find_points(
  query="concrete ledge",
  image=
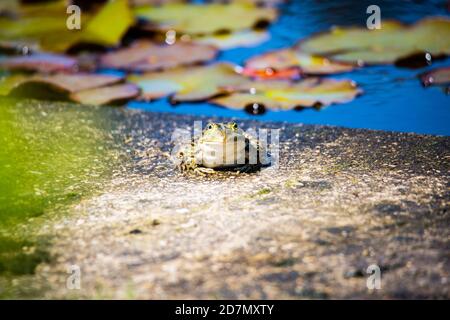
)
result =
(341, 200)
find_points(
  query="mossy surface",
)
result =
(49, 158)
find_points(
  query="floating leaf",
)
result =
(285, 95)
(149, 56)
(116, 94)
(46, 63)
(109, 25)
(71, 83)
(37, 8)
(261, 3)
(83, 88)
(10, 47)
(44, 25)
(9, 82)
(46, 33)
(189, 84)
(293, 73)
(275, 64)
(138, 3)
(440, 76)
(246, 38)
(393, 41)
(209, 18)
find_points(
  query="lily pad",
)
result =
(11, 47)
(149, 56)
(109, 25)
(293, 73)
(239, 39)
(116, 94)
(138, 3)
(44, 25)
(46, 63)
(383, 46)
(275, 64)
(261, 3)
(9, 82)
(189, 84)
(285, 95)
(209, 18)
(82, 88)
(440, 76)
(41, 25)
(71, 83)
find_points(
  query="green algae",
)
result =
(51, 155)
(20, 257)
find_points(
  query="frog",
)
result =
(221, 146)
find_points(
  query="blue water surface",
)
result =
(393, 98)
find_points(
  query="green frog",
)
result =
(221, 146)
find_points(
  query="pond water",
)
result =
(393, 98)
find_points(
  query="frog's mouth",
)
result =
(222, 154)
(222, 139)
(214, 136)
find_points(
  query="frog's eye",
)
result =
(210, 126)
(233, 125)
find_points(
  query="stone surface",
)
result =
(341, 200)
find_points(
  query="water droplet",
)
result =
(427, 80)
(255, 108)
(269, 71)
(238, 69)
(171, 37)
(25, 50)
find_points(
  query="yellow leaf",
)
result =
(386, 45)
(210, 18)
(109, 25)
(285, 95)
(188, 84)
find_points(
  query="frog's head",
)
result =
(221, 144)
(221, 132)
